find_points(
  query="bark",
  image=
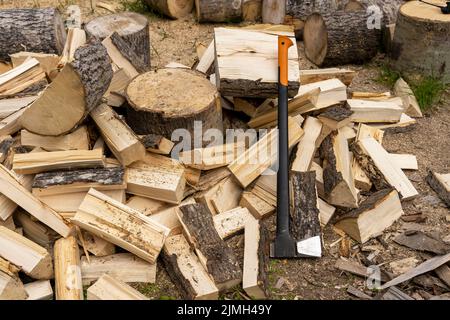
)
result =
(331, 176)
(151, 141)
(172, 8)
(273, 11)
(127, 51)
(254, 89)
(173, 270)
(218, 10)
(337, 113)
(263, 257)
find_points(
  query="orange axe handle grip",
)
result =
(284, 43)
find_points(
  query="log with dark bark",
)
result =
(128, 52)
(33, 30)
(217, 257)
(174, 9)
(132, 27)
(159, 111)
(77, 90)
(340, 38)
(273, 11)
(218, 10)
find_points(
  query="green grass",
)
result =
(428, 91)
(387, 76)
(139, 6)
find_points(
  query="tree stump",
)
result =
(161, 102)
(421, 45)
(174, 9)
(33, 30)
(218, 10)
(132, 27)
(340, 38)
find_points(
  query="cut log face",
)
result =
(77, 140)
(218, 10)
(68, 285)
(39, 290)
(38, 30)
(109, 288)
(256, 206)
(273, 11)
(230, 223)
(174, 9)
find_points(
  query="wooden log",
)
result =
(337, 174)
(336, 117)
(307, 145)
(429, 57)
(273, 11)
(366, 131)
(315, 75)
(162, 113)
(119, 137)
(206, 61)
(115, 95)
(33, 259)
(77, 90)
(218, 10)
(39, 290)
(246, 61)
(125, 267)
(11, 287)
(332, 92)
(362, 181)
(402, 89)
(108, 288)
(133, 28)
(34, 230)
(27, 78)
(157, 144)
(252, 10)
(121, 225)
(215, 254)
(68, 284)
(440, 183)
(36, 162)
(172, 8)
(76, 38)
(10, 106)
(7, 206)
(21, 31)
(186, 270)
(328, 42)
(256, 259)
(374, 111)
(404, 161)
(259, 208)
(231, 222)
(77, 140)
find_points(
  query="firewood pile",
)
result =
(91, 193)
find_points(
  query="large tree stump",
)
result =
(273, 11)
(77, 90)
(340, 38)
(218, 10)
(132, 27)
(174, 9)
(32, 30)
(170, 99)
(421, 43)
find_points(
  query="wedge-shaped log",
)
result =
(332, 91)
(36, 162)
(108, 288)
(230, 223)
(33, 259)
(39, 290)
(410, 104)
(374, 111)
(68, 284)
(121, 225)
(186, 270)
(374, 215)
(307, 145)
(440, 184)
(77, 140)
(214, 253)
(125, 267)
(255, 205)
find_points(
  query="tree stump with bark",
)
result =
(174, 9)
(32, 30)
(133, 28)
(218, 10)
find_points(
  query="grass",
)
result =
(138, 6)
(387, 76)
(428, 91)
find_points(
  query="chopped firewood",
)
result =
(11, 124)
(186, 270)
(326, 212)
(376, 96)
(7, 206)
(210, 178)
(332, 91)
(377, 213)
(260, 156)
(34, 230)
(109, 288)
(375, 162)
(36, 162)
(146, 206)
(156, 177)
(247, 106)
(319, 178)
(96, 245)
(6, 143)
(76, 38)
(119, 60)
(30, 257)
(48, 62)
(121, 225)
(404, 161)
(410, 104)
(115, 95)
(67, 270)
(224, 196)
(215, 254)
(440, 183)
(10, 106)
(121, 140)
(374, 111)
(259, 208)
(39, 290)
(77, 140)
(11, 188)
(316, 75)
(336, 117)
(256, 259)
(192, 175)
(307, 145)
(362, 181)
(405, 123)
(22, 77)
(339, 185)
(365, 131)
(206, 62)
(125, 267)
(265, 187)
(157, 144)
(395, 293)
(231, 222)
(422, 242)
(8, 223)
(212, 157)
(11, 287)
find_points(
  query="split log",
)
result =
(39, 290)
(410, 104)
(119, 137)
(273, 11)
(174, 9)
(231, 222)
(77, 140)
(147, 206)
(28, 78)
(406, 123)
(127, 52)
(206, 61)
(35, 230)
(307, 145)
(33, 259)
(256, 259)
(133, 28)
(12, 123)
(366, 131)
(218, 10)
(125, 267)
(36, 30)
(7, 206)
(118, 60)
(305, 224)
(316, 75)
(11, 287)
(440, 183)
(157, 144)
(336, 117)
(186, 270)
(115, 95)
(6, 143)
(108, 288)
(222, 197)
(96, 245)
(68, 284)
(215, 254)
(76, 38)
(10, 106)
(332, 92)
(362, 181)
(160, 112)
(326, 212)
(404, 161)
(121, 225)
(77, 90)
(252, 10)
(328, 42)
(374, 215)
(255, 205)
(374, 111)
(430, 57)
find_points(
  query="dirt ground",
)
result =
(306, 278)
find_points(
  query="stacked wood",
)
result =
(109, 288)
(218, 10)
(174, 9)
(68, 284)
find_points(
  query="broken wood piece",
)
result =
(22, 77)
(307, 145)
(11, 287)
(365, 131)
(259, 208)
(317, 75)
(121, 225)
(115, 95)
(186, 270)
(39, 290)
(422, 242)
(146, 206)
(109, 288)
(440, 183)
(404, 161)
(395, 293)
(231, 222)
(157, 144)
(35, 230)
(10, 106)
(326, 212)
(357, 293)
(206, 62)
(362, 181)
(336, 117)
(76, 38)
(68, 284)
(357, 269)
(374, 111)
(332, 91)
(443, 272)
(411, 106)
(212, 157)
(77, 140)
